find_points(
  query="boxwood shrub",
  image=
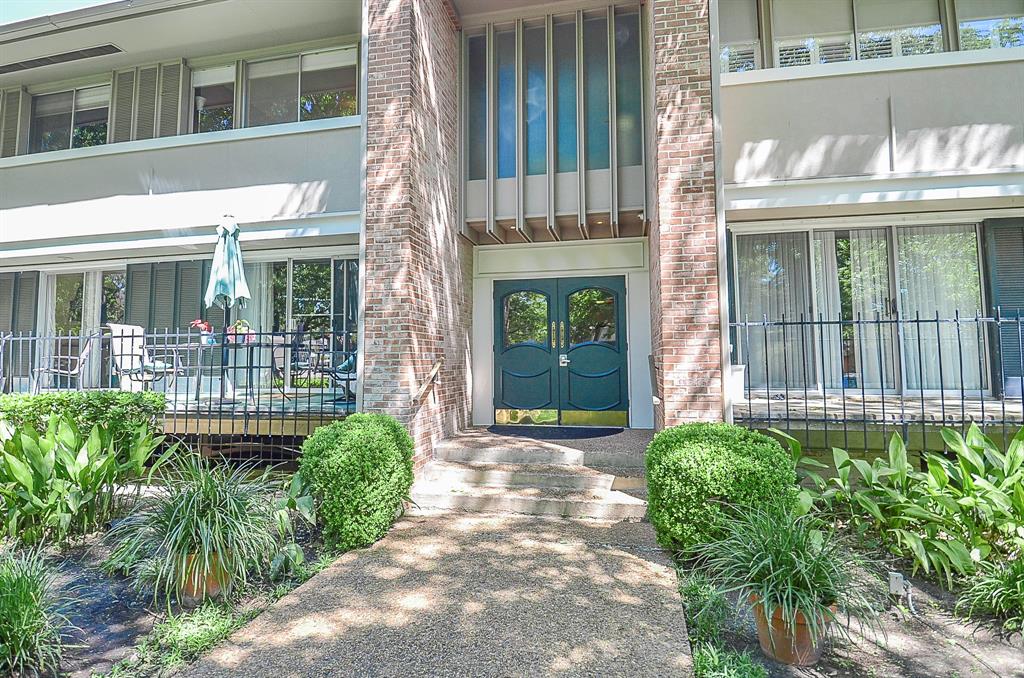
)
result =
(694, 469)
(360, 472)
(120, 412)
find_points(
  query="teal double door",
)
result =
(560, 352)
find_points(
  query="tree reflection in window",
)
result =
(592, 317)
(526, 318)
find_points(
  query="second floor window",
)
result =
(213, 90)
(307, 87)
(987, 24)
(74, 119)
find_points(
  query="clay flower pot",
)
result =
(785, 644)
(207, 586)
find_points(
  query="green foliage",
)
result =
(707, 609)
(120, 412)
(360, 472)
(967, 507)
(59, 483)
(31, 621)
(997, 589)
(692, 470)
(181, 639)
(207, 520)
(712, 661)
(791, 561)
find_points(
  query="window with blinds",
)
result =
(990, 24)
(1006, 280)
(812, 31)
(740, 39)
(73, 119)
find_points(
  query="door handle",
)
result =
(562, 326)
(563, 360)
(554, 335)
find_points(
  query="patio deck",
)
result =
(267, 414)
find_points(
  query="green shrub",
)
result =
(31, 621)
(692, 470)
(707, 609)
(997, 590)
(711, 661)
(119, 412)
(59, 483)
(360, 472)
(206, 529)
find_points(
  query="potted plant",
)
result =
(205, 330)
(240, 332)
(797, 575)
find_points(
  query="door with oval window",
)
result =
(560, 352)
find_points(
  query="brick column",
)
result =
(417, 269)
(684, 250)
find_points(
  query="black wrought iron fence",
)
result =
(853, 382)
(230, 387)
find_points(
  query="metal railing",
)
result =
(222, 386)
(854, 382)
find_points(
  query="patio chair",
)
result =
(68, 366)
(342, 375)
(134, 364)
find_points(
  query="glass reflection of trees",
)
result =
(526, 318)
(592, 317)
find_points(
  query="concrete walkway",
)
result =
(473, 595)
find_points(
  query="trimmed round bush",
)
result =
(360, 473)
(694, 470)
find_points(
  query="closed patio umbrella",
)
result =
(227, 275)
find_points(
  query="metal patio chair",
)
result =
(68, 366)
(133, 363)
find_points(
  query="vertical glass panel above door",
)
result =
(628, 90)
(213, 93)
(774, 284)
(534, 58)
(939, 280)
(329, 85)
(741, 45)
(273, 91)
(476, 107)
(886, 28)
(505, 104)
(565, 94)
(51, 122)
(856, 344)
(812, 31)
(595, 92)
(990, 24)
(92, 105)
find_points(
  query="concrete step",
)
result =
(465, 450)
(518, 475)
(436, 495)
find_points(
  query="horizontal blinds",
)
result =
(123, 101)
(882, 15)
(973, 10)
(817, 18)
(738, 21)
(213, 76)
(92, 97)
(336, 58)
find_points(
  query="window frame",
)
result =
(74, 108)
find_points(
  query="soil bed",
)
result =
(934, 642)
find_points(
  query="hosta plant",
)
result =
(62, 482)
(966, 508)
(32, 625)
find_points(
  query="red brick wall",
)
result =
(684, 253)
(417, 268)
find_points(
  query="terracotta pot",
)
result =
(207, 586)
(784, 644)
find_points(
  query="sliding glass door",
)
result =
(868, 309)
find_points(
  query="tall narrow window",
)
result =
(476, 108)
(595, 74)
(886, 28)
(536, 100)
(213, 92)
(628, 90)
(273, 91)
(565, 95)
(51, 122)
(812, 31)
(328, 85)
(505, 73)
(987, 24)
(90, 122)
(739, 35)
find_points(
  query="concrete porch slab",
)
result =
(476, 595)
